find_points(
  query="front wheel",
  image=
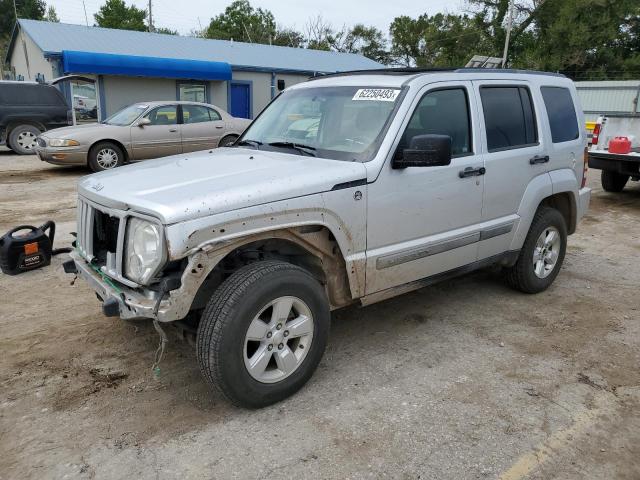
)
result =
(105, 156)
(23, 139)
(263, 333)
(542, 254)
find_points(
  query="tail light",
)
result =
(596, 134)
(585, 169)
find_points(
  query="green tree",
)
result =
(288, 37)
(166, 31)
(52, 16)
(241, 22)
(368, 41)
(29, 9)
(116, 14)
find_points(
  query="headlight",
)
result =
(143, 252)
(60, 142)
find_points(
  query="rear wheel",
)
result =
(23, 139)
(263, 333)
(542, 254)
(613, 181)
(105, 156)
(227, 141)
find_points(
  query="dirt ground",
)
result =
(463, 380)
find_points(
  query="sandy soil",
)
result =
(465, 379)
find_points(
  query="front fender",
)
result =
(335, 210)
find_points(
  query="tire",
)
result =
(105, 156)
(613, 181)
(224, 351)
(227, 141)
(22, 139)
(522, 276)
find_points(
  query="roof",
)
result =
(52, 38)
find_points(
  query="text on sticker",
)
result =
(377, 94)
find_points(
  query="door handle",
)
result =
(472, 172)
(538, 159)
(173, 129)
(219, 126)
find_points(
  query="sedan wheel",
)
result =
(107, 158)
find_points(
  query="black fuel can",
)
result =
(26, 248)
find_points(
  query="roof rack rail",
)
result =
(417, 71)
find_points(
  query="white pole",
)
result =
(86, 20)
(150, 18)
(506, 40)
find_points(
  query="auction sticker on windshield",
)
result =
(377, 94)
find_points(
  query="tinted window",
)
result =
(561, 113)
(26, 94)
(441, 112)
(508, 117)
(165, 115)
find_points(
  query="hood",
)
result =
(76, 130)
(186, 187)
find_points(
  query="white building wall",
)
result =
(28, 60)
(122, 91)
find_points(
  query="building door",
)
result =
(240, 105)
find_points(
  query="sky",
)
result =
(187, 15)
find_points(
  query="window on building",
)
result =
(192, 92)
(198, 114)
(165, 115)
(441, 112)
(85, 101)
(509, 118)
(561, 113)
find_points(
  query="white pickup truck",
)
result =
(616, 168)
(347, 189)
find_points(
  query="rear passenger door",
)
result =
(202, 128)
(514, 154)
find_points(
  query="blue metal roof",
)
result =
(135, 66)
(53, 38)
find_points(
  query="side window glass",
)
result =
(215, 116)
(509, 117)
(561, 113)
(165, 115)
(441, 112)
(195, 114)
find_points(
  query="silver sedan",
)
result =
(139, 132)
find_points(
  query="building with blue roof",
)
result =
(115, 68)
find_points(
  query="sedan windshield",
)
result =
(126, 115)
(341, 123)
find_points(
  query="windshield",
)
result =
(126, 115)
(341, 123)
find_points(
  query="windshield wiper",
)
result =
(252, 143)
(308, 149)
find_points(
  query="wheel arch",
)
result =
(109, 140)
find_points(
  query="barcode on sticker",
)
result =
(377, 94)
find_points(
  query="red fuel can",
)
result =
(620, 145)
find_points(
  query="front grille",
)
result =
(41, 142)
(100, 238)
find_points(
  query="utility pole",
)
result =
(15, 10)
(150, 18)
(506, 41)
(86, 20)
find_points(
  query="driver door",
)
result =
(160, 138)
(422, 221)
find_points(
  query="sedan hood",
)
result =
(75, 131)
(185, 187)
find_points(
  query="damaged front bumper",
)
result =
(129, 303)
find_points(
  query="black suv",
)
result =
(28, 109)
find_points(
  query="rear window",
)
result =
(508, 117)
(561, 113)
(29, 94)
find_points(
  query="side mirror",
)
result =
(426, 151)
(144, 121)
(280, 84)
